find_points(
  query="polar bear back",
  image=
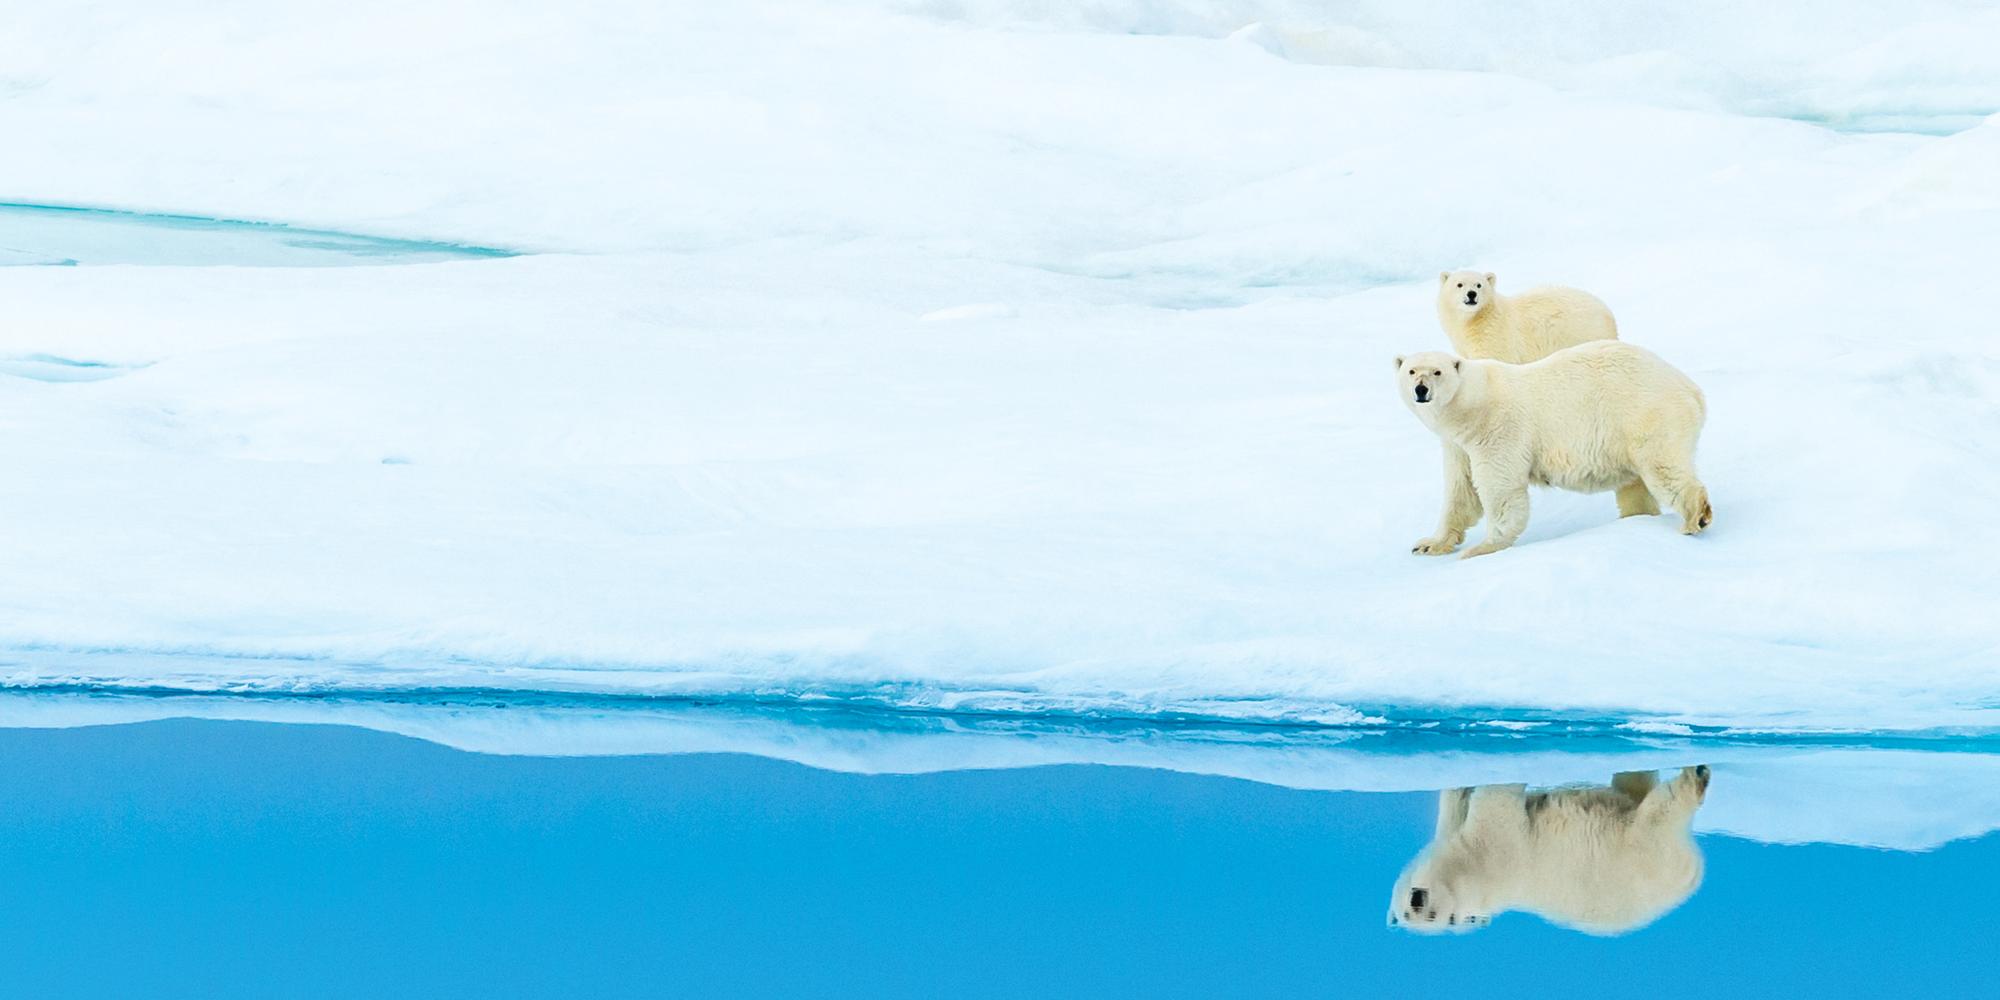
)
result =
(1529, 326)
(1583, 413)
(1590, 866)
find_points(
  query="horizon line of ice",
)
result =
(898, 702)
(1912, 798)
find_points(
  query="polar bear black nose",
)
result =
(1471, 298)
(1423, 395)
(1418, 898)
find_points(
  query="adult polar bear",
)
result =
(1603, 860)
(1482, 323)
(1604, 415)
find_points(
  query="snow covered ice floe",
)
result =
(700, 439)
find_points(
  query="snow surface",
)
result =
(998, 356)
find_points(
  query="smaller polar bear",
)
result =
(1601, 860)
(1482, 323)
(1599, 416)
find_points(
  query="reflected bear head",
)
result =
(1427, 901)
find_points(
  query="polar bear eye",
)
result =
(1461, 284)
(1437, 373)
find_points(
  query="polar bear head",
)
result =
(1433, 898)
(1465, 293)
(1429, 378)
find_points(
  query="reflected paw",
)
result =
(1694, 779)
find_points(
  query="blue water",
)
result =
(64, 235)
(186, 858)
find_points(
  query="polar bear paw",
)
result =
(1437, 545)
(1699, 519)
(1694, 524)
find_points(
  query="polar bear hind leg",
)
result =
(1676, 800)
(1635, 784)
(1634, 499)
(1674, 482)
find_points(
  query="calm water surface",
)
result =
(223, 859)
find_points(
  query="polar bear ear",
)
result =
(1489, 277)
(1444, 276)
(1455, 362)
(1399, 361)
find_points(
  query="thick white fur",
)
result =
(1517, 328)
(1603, 860)
(1599, 416)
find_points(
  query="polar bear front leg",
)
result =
(1461, 505)
(1452, 803)
(1503, 491)
(1490, 804)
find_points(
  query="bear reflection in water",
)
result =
(1600, 859)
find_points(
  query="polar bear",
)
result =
(1605, 415)
(1482, 323)
(1603, 860)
